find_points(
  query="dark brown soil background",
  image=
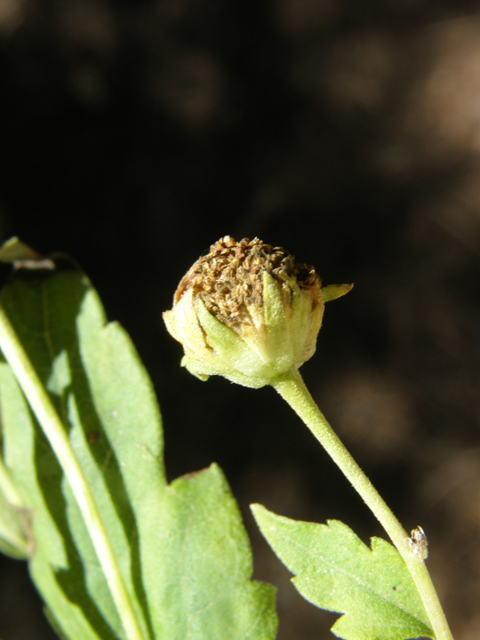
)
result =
(133, 134)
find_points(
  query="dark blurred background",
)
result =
(133, 134)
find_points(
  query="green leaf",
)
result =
(181, 549)
(202, 589)
(336, 571)
(13, 542)
(13, 250)
(14, 519)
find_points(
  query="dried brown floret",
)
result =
(228, 279)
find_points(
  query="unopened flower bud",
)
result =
(248, 312)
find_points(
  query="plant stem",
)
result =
(292, 388)
(55, 432)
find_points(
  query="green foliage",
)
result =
(336, 571)
(116, 551)
(181, 548)
(13, 521)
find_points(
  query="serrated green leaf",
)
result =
(174, 544)
(336, 571)
(207, 563)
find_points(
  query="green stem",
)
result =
(292, 388)
(54, 430)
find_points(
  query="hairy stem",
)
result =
(55, 432)
(292, 388)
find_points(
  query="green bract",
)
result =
(264, 317)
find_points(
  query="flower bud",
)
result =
(248, 312)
